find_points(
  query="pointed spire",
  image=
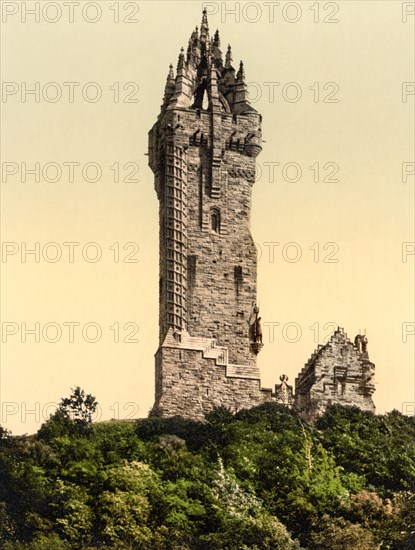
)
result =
(216, 51)
(189, 54)
(170, 76)
(170, 85)
(241, 105)
(204, 27)
(194, 38)
(193, 48)
(241, 73)
(216, 40)
(180, 63)
(228, 60)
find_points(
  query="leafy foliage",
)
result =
(259, 479)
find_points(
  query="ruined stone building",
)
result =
(202, 150)
(338, 372)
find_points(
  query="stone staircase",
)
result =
(207, 346)
(210, 350)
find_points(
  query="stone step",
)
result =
(206, 345)
(221, 358)
(209, 350)
(243, 371)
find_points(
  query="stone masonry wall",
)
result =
(220, 276)
(189, 385)
(222, 292)
(337, 373)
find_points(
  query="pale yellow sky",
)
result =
(337, 106)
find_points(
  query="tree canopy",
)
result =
(258, 479)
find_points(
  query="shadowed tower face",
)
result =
(202, 151)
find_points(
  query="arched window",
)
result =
(215, 220)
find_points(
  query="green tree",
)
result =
(339, 534)
(79, 406)
(243, 523)
(123, 508)
(73, 416)
(380, 448)
(72, 516)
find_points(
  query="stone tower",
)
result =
(202, 150)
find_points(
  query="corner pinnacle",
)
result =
(180, 63)
(216, 39)
(204, 27)
(228, 60)
(241, 72)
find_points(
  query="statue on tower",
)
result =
(284, 392)
(255, 330)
